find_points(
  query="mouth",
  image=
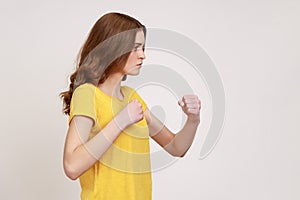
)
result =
(139, 64)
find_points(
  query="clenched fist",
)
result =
(191, 106)
(130, 114)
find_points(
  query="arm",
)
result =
(80, 154)
(179, 143)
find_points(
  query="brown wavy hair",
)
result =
(104, 52)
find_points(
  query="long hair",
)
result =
(104, 52)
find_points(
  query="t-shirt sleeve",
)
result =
(83, 103)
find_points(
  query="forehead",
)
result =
(140, 37)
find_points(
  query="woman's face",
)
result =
(136, 57)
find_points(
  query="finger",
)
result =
(192, 100)
(190, 96)
(193, 105)
(181, 103)
(193, 111)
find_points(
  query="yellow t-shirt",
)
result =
(124, 170)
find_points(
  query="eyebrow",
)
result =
(138, 43)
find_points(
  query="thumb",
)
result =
(181, 103)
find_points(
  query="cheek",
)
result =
(131, 58)
(128, 65)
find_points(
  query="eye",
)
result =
(138, 48)
(135, 48)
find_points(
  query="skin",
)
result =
(80, 153)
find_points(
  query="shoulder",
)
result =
(86, 91)
(130, 91)
(133, 94)
(126, 87)
(85, 87)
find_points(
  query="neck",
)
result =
(112, 85)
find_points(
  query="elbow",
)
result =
(70, 171)
(182, 155)
(174, 151)
(72, 176)
(178, 152)
(179, 155)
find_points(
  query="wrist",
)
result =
(120, 122)
(194, 120)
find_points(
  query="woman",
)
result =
(107, 143)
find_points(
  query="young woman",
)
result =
(107, 143)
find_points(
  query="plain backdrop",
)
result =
(255, 47)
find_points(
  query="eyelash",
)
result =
(135, 48)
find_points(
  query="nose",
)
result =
(142, 54)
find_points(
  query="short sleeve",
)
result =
(83, 102)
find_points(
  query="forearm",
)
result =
(184, 138)
(87, 154)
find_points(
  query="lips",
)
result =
(140, 64)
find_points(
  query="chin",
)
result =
(134, 72)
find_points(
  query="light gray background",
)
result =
(254, 45)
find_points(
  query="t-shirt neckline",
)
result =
(111, 97)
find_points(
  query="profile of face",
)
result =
(136, 57)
